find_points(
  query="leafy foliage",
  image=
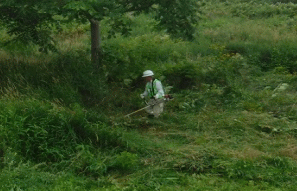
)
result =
(28, 21)
(178, 17)
(230, 126)
(31, 21)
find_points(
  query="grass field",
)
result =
(232, 124)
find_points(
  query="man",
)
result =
(154, 91)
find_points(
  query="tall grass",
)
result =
(231, 125)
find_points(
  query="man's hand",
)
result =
(156, 96)
(142, 96)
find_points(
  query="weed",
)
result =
(126, 162)
(231, 126)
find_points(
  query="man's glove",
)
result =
(142, 96)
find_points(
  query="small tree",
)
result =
(31, 20)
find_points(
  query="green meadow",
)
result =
(232, 124)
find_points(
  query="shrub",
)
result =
(36, 131)
(103, 136)
(234, 48)
(126, 161)
(69, 77)
(40, 131)
(253, 10)
(267, 56)
(182, 76)
(128, 58)
(75, 79)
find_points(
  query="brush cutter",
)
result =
(166, 98)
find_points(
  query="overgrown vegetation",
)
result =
(231, 126)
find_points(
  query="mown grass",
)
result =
(231, 125)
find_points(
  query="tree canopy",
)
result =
(31, 20)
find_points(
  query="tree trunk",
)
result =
(96, 42)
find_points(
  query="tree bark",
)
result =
(96, 42)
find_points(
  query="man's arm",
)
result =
(160, 90)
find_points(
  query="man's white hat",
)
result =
(147, 73)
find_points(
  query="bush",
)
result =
(126, 161)
(69, 78)
(282, 55)
(183, 76)
(234, 48)
(37, 131)
(75, 79)
(267, 56)
(40, 131)
(253, 10)
(128, 58)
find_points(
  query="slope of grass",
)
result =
(231, 126)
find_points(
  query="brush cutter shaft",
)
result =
(137, 111)
(158, 101)
(150, 105)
